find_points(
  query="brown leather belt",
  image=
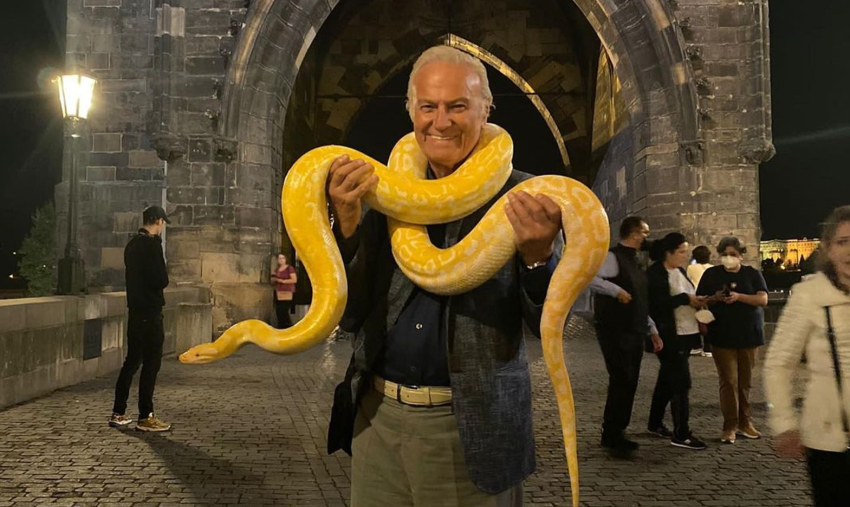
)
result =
(418, 396)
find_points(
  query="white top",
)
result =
(686, 321)
(802, 328)
(695, 272)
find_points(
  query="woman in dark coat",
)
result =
(672, 305)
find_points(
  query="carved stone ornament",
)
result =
(168, 146)
(757, 151)
(694, 152)
(225, 149)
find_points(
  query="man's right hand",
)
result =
(624, 297)
(348, 182)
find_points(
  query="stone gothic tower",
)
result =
(662, 106)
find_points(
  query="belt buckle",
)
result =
(398, 393)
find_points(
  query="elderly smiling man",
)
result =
(437, 397)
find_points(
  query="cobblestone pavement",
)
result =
(251, 431)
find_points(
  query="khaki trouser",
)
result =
(735, 368)
(413, 456)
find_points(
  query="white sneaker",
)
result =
(697, 352)
(119, 420)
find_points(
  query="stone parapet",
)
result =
(53, 342)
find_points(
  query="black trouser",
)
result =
(829, 472)
(281, 308)
(673, 385)
(623, 353)
(145, 336)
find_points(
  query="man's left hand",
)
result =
(536, 221)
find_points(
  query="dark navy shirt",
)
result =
(415, 351)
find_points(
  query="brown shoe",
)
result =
(728, 437)
(152, 424)
(749, 432)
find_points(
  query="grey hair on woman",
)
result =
(733, 242)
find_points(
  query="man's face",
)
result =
(160, 226)
(640, 235)
(449, 113)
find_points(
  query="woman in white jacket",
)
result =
(817, 308)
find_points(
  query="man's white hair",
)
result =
(444, 53)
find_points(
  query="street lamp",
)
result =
(75, 96)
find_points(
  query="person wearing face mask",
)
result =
(621, 318)
(816, 320)
(736, 294)
(672, 305)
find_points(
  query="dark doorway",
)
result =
(384, 119)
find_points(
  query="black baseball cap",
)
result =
(152, 213)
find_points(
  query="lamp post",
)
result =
(75, 96)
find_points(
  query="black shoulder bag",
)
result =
(836, 363)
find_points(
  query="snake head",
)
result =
(201, 354)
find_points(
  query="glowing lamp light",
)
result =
(75, 95)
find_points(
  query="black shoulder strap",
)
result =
(836, 363)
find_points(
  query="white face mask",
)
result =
(730, 262)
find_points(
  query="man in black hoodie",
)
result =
(146, 277)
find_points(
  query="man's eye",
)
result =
(458, 108)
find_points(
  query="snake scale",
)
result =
(411, 202)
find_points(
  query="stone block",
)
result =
(100, 173)
(123, 85)
(193, 326)
(144, 158)
(111, 257)
(200, 150)
(104, 42)
(98, 61)
(128, 222)
(239, 301)
(207, 175)
(205, 196)
(254, 176)
(179, 174)
(134, 174)
(213, 215)
(248, 197)
(184, 270)
(45, 312)
(106, 142)
(102, 3)
(12, 316)
(262, 218)
(232, 267)
(662, 180)
(203, 65)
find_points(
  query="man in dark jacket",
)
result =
(437, 397)
(146, 277)
(622, 321)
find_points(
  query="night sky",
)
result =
(811, 119)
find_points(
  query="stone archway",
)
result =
(667, 164)
(654, 82)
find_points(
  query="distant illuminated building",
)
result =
(788, 250)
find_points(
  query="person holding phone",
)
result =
(736, 294)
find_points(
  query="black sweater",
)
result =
(145, 274)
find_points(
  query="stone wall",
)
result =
(53, 342)
(194, 99)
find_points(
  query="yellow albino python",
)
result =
(407, 198)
